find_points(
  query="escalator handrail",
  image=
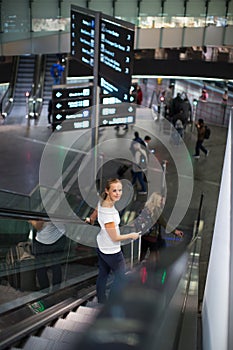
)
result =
(19, 214)
(39, 86)
(9, 93)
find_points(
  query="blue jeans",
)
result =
(139, 175)
(48, 255)
(199, 146)
(108, 263)
(57, 80)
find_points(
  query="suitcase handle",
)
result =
(132, 250)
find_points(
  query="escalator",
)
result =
(50, 59)
(23, 85)
(69, 316)
(30, 90)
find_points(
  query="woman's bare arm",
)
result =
(111, 230)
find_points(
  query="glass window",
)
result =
(216, 9)
(126, 9)
(45, 9)
(46, 20)
(104, 6)
(150, 8)
(66, 6)
(196, 8)
(175, 8)
(15, 16)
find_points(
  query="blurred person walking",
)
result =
(201, 129)
(149, 222)
(140, 161)
(48, 247)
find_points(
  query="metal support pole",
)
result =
(27, 107)
(164, 167)
(101, 157)
(139, 247)
(95, 108)
(199, 215)
(131, 255)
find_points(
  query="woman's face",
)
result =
(115, 191)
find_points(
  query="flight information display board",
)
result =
(105, 44)
(72, 103)
(116, 58)
(82, 37)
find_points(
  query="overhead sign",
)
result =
(73, 125)
(116, 58)
(105, 44)
(118, 113)
(68, 92)
(65, 115)
(82, 37)
(71, 103)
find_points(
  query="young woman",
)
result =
(110, 256)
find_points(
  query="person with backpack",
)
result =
(56, 72)
(201, 135)
(140, 161)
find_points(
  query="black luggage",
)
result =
(122, 170)
(20, 264)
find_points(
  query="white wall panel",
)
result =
(193, 36)
(144, 39)
(228, 36)
(147, 38)
(213, 36)
(216, 296)
(21, 47)
(46, 44)
(172, 37)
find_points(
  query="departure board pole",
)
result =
(95, 109)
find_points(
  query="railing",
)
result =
(7, 100)
(35, 100)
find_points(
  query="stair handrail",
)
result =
(35, 100)
(7, 100)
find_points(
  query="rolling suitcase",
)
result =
(20, 264)
(122, 169)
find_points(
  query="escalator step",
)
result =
(85, 318)
(70, 325)
(87, 310)
(37, 343)
(58, 334)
